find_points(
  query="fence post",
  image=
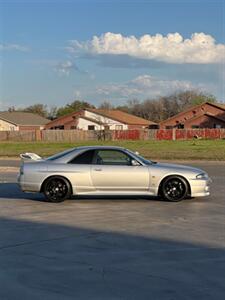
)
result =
(37, 135)
(174, 134)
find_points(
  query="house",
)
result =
(16, 120)
(99, 119)
(205, 115)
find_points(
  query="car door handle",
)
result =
(98, 169)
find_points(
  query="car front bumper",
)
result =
(200, 187)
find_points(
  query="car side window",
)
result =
(112, 157)
(85, 158)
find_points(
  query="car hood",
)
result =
(179, 168)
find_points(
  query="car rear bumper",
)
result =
(27, 186)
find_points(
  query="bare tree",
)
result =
(106, 105)
(52, 112)
(162, 108)
(104, 131)
(39, 109)
(11, 109)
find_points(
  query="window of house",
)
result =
(60, 127)
(73, 127)
(195, 126)
(169, 127)
(153, 126)
(84, 158)
(112, 157)
(119, 127)
(106, 127)
(194, 112)
(216, 126)
(91, 127)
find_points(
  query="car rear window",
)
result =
(85, 158)
(60, 155)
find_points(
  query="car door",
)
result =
(112, 171)
(78, 171)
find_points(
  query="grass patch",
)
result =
(174, 150)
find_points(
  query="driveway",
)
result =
(114, 248)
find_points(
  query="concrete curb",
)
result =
(9, 169)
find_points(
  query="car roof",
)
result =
(68, 154)
(99, 147)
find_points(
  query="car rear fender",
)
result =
(52, 176)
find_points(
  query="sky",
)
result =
(54, 52)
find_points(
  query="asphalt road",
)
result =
(112, 248)
(10, 162)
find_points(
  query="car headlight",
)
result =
(202, 176)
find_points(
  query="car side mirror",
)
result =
(134, 162)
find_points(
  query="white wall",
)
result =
(6, 126)
(111, 123)
(83, 124)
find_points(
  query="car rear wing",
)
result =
(30, 156)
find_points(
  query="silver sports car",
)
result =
(100, 170)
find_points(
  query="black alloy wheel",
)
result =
(174, 188)
(57, 189)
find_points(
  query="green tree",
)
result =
(74, 106)
(201, 98)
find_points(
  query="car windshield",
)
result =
(141, 158)
(59, 155)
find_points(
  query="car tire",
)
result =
(174, 188)
(57, 189)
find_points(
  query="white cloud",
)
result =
(144, 86)
(77, 94)
(141, 87)
(200, 48)
(64, 68)
(11, 47)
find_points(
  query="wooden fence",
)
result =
(80, 135)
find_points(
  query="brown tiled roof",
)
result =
(23, 118)
(218, 117)
(73, 115)
(208, 115)
(218, 105)
(122, 117)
